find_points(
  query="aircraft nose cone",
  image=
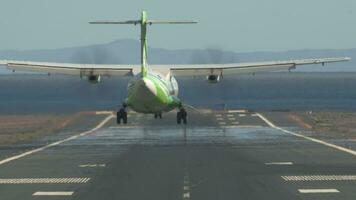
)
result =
(150, 86)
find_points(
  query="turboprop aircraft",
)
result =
(153, 88)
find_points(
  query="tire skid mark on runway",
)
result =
(101, 124)
(346, 150)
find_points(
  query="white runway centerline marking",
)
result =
(320, 178)
(186, 187)
(308, 191)
(346, 150)
(57, 193)
(101, 124)
(44, 180)
(92, 165)
(279, 163)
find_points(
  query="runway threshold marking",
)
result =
(346, 150)
(320, 178)
(101, 124)
(279, 163)
(308, 191)
(44, 180)
(56, 193)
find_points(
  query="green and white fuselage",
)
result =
(150, 91)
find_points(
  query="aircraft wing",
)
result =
(71, 69)
(240, 68)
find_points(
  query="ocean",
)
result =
(295, 91)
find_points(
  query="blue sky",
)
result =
(238, 25)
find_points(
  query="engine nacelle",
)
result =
(94, 79)
(213, 78)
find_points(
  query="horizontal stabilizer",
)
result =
(170, 22)
(117, 22)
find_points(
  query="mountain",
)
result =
(127, 51)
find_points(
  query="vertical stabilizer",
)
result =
(144, 65)
(143, 22)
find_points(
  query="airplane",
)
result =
(153, 89)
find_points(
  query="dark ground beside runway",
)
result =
(157, 159)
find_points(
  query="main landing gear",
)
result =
(182, 116)
(121, 115)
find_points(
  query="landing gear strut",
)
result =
(121, 115)
(158, 115)
(182, 115)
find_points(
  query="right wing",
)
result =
(240, 68)
(72, 69)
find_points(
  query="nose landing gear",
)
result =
(158, 115)
(182, 116)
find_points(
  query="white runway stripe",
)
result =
(279, 163)
(101, 124)
(237, 111)
(320, 178)
(44, 180)
(308, 191)
(346, 150)
(58, 193)
(92, 165)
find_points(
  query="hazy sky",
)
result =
(238, 25)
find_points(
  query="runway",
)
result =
(219, 155)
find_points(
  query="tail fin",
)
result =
(143, 22)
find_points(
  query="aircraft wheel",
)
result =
(184, 115)
(118, 118)
(179, 117)
(124, 118)
(121, 115)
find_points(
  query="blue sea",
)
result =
(295, 91)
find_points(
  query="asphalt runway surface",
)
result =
(218, 155)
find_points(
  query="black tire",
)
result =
(179, 117)
(124, 117)
(184, 116)
(155, 115)
(160, 115)
(118, 117)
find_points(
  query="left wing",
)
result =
(72, 69)
(240, 68)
